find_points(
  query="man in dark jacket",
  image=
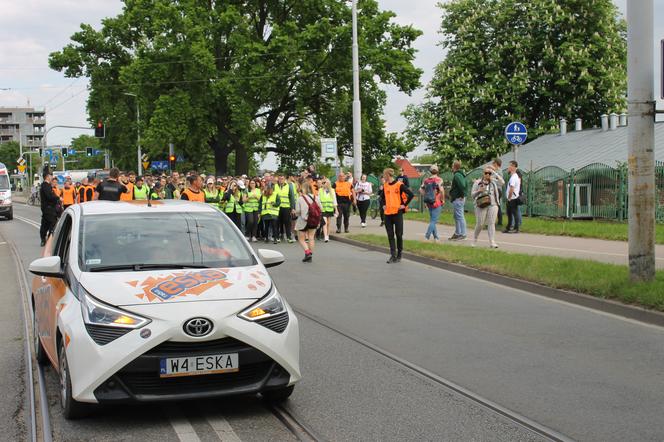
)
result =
(458, 197)
(49, 200)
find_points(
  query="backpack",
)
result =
(430, 188)
(314, 215)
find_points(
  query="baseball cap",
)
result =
(240, 184)
(433, 169)
(210, 180)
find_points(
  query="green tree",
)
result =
(83, 162)
(235, 76)
(9, 153)
(530, 60)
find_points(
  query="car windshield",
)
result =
(4, 182)
(136, 242)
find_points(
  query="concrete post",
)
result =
(641, 155)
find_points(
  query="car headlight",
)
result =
(270, 305)
(7, 201)
(96, 312)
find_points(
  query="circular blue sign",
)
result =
(516, 133)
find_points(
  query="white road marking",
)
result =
(223, 429)
(183, 429)
(2, 243)
(28, 221)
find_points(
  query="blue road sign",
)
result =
(159, 165)
(516, 133)
(96, 151)
(72, 151)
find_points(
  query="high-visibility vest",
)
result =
(269, 206)
(343, 188)
(211, 197)
(68, 196)
(129, 195)
(251, 205)
(194, 196)
(326, 200)
(393, 197)
(83, 194)
(57, 192)
(154, 195)
(284, 194)
(233, 205)
(141, 193)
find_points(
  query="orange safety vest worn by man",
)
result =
(193, 192)
(68, 196)
(129, 194)
(394, 198)
(344, 191)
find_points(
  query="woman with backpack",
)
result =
(308, 210)
(433, 196)
(486, 194)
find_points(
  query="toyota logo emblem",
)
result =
(198, 327)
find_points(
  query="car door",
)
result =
(51, 290)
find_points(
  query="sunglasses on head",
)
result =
(487, 173)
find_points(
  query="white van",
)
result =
(6, 208)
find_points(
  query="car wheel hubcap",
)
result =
(63, 380)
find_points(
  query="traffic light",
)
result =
(64, 151)
(88, 151)
(171, 162)
(100, 130)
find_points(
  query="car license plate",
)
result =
(199, 365)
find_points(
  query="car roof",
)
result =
(141, 206)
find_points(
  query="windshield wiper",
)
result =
(141, 267)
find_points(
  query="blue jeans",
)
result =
(434, 214)
(459, 218)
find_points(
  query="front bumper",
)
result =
(127, 368)
(5, 209)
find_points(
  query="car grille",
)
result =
(275, 323)
(152, 384)
(103, 335)
(171, 348)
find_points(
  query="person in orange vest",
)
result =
(68, 194)
(345, 197)
(394, 198)
(86, 191)
(193, 191)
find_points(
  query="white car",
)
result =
(161, 301)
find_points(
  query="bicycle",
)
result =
(34, 199)
(374, 207)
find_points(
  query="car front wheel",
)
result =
(71, 408)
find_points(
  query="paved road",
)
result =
(348, 392)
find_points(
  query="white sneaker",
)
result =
(364, 224)
(494, 245)
(253, 239)
(473, 244)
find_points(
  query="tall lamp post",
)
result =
(138, 132)
(357, 107)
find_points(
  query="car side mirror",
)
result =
(51, 267)
(270, 258)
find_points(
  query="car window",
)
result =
(196, 239)
(64, 239)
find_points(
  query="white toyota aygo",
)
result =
(138, 301)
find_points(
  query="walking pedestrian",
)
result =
(286, 193)
(433, 195)
(394, 199)
(458, 197)
(513, 192)
(497, 166)
(308, 210)
(363, 190)
(251, 210)
(110, 189)
(328, 199)
(486, 196)
(344, 193)
(403, 177)
(270, 212)
(49, 201)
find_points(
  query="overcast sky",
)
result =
(31, 29)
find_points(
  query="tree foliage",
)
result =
(9, 153)
(237, 76)
(530, 60)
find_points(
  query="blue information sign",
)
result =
(516, 133)
(160, 165)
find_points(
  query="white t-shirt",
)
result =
(366, 186)
(513, 187)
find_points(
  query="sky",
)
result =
(31, 29)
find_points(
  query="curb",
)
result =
(639, 314)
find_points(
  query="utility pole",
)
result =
(641, 139)
(138, 132)
(357, 107)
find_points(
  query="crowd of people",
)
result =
(287, 208)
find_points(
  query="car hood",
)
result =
(155, 287)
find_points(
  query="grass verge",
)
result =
(544, 226)
(602, 280)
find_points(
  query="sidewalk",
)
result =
(612, 252)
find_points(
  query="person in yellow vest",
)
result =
(328, 201)
(252, 210)
(129, 194)
(394, 198)
(68, 194)
(212, 194)
(234, 200)
(193, 192)
(345, 198)
(141, 190)
(269, 204)
(287, 197)
(157, 192)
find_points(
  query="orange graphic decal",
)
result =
(182, 284)
(67, 340)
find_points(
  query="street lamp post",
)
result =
(138, 132)
(357, 108)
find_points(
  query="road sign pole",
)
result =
(357, 107)
(641, 137)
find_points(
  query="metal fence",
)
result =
(595, 191)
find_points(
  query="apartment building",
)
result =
(25, 123)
